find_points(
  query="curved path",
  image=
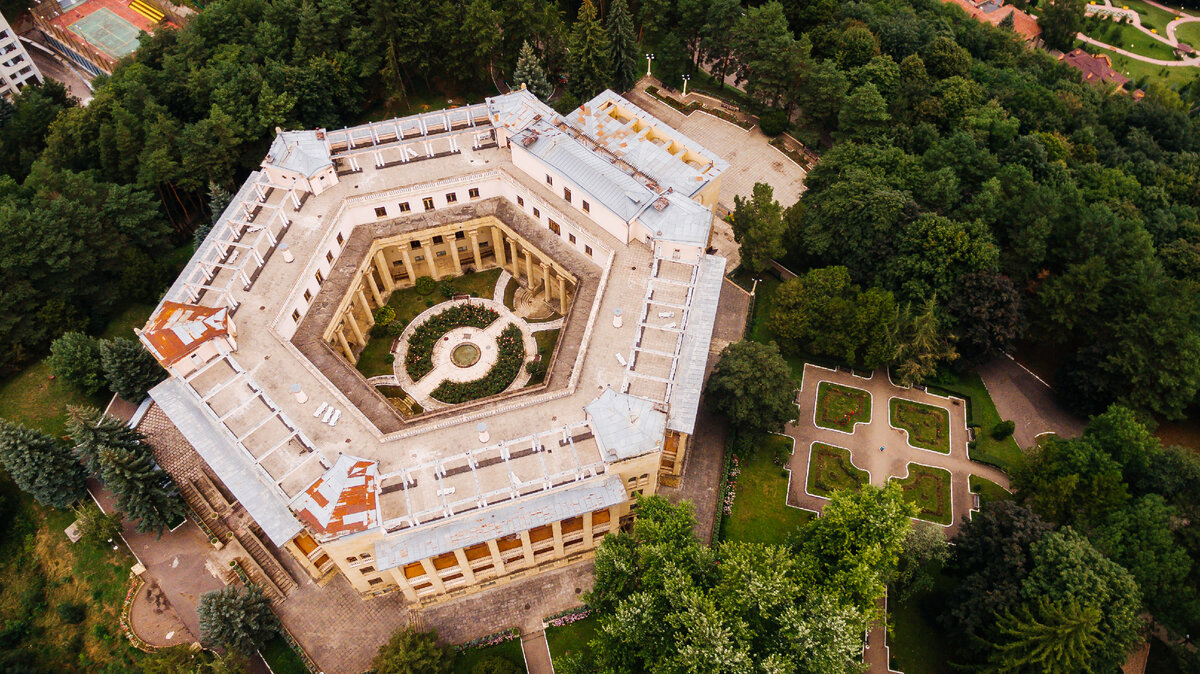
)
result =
(1169, 39)
(1190, 61)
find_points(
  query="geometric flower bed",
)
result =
(830, 470)
(418, 359)
(840, 407)
(507, 367)
(928, 426)
(929, 489)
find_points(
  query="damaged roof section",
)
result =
(178, 329)
(343, 500)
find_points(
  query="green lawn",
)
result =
(409, 304)
(929, 489)
(546, 341)
(281, 658)
(509, 650)
(830, 470)
(1129, 38)
(917, 644)
(1189, 33)
(1152, 17)
(928, 426)
(988, 491)
(1136, 70)
(760, 511)
(841, 407)
(571, 638)
(982, 414)
(134, 316)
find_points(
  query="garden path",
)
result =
(501, 286)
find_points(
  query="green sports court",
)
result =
(108, 32)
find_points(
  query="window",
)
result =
(570, 237)
(460, 235)
(437, 240)
(374, 581)
(427, 202)
(341, 238)
(536, 212)
(404, 207)
(484, 244)
(440, 253)
(549, 179)
(367, 569)
(587, 208)
(296, 316)
(307, 295)
(588, 250)
(414, 244)
(329, 256)
(451, 197)
(320, 277)
(380, 211)
(473, 193)
(555, 228)
(462, 249)
(418, 258)
(567, 194)
(521, 201)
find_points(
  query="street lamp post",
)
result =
(685, 81)
(649, 58)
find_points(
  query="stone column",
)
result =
(341, 337)
(408, 265)
(497, 558)
(529, 268)
(365, 306)
(512, 255)
(427, 247)
(464, 565)
(385, 272)
(559, 547)
(587, 531)
(527, 547)
(498, 247)
(353, 323)
(562, 294)
(475, 249)
(546, 282)
(374, 288)
(405, 586)
(431, 572)
(454, 254)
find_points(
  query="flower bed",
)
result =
(567, 617)
(730, 494)
(830, 469)
(135, 584)
(492, 639)
(418, 359)
(508, 366)
(841, 407)
(928, 426)
(689, 108)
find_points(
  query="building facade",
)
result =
(603, 216)
(17, 70)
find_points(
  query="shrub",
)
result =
(447, 289)
(411, 651)
(773, 122)
(495, 664)
(236, 618)
(425, 285)
(378, 330)
(394, 329)
(71, 613)
(418, 359)
(536, 368)
(512, 355)
(95, 525)
(1004, 429)
(390, 358)
(384, 315)
(429, 303)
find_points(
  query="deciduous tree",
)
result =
(752, 385)
(412, 652)
(758, 227)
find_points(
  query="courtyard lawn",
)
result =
(1140, 71)
(1129, 38)
(981, 414)
(571, 638)
(760, 511)
(928, 426)
(929, 489)
(988, 491)
(546, 342)
(916, 642)
(373, 361)
(281, 658)
(1152, 17)
(509, 650)
(841, 407)
(830, 470)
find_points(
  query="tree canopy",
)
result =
(752, 385)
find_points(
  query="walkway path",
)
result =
(1021, 396)
(1191, 61)
(1169, 39)
(501, 286)
(537, 652)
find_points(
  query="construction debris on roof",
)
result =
(177, 329)
(342, 501)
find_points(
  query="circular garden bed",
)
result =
(418, 359)
(511, 346)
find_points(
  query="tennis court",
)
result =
(108, 32)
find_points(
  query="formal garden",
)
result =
(758, 485)
(418, 356)
(842, 407)
(928, 488)
(508, 364)
(830, 470)
(928, 426)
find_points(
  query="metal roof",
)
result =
(233, 466)
(303, 152)
(343, 500)
(479, 526)
(693, 357)
(177, 329)
(682, 221)
(625, 426)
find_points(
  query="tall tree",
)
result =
(75, 357)
(625, 56)
(130, 370)
(752, 385)
(1051, 638)
(758, 228)
(1061, 20)
(773, 64)
(41, 466)
(589, 60)
(988, 320)
(411, 652)
(236, 618)
(530, 73)
(864, 117)
(922, 344)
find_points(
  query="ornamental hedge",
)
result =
(418, 360)
(508, 365)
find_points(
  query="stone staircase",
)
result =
(273, 577)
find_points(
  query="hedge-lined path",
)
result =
(865, 441)
(443, 368)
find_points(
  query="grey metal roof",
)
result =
(625, 426)
(299, 151)
(693, 356)
(517, 109)
(232, 465)
(510, 517)
(682, 221)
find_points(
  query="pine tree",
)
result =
(624, 45)
(864, 117)
(1056, 638)
(529, 72)
(119, 456)
(129, 368)
(41, 466)
(238, 619)
(75, 357)
(588, 61)
(923, 344)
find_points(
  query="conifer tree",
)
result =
(129, 368)
(119, 456)
(588, 61)
(1053, 638)
(75, 356)
(624, 45)
(529, 72)
(40, 465)
(236, 618)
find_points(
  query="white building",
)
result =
(16, 68)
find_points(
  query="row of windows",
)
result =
(427, 202)
(320, 277)
(587, 208)
(554, 225)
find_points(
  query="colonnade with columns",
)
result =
(398, 261)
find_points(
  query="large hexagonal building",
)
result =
(441, 352)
